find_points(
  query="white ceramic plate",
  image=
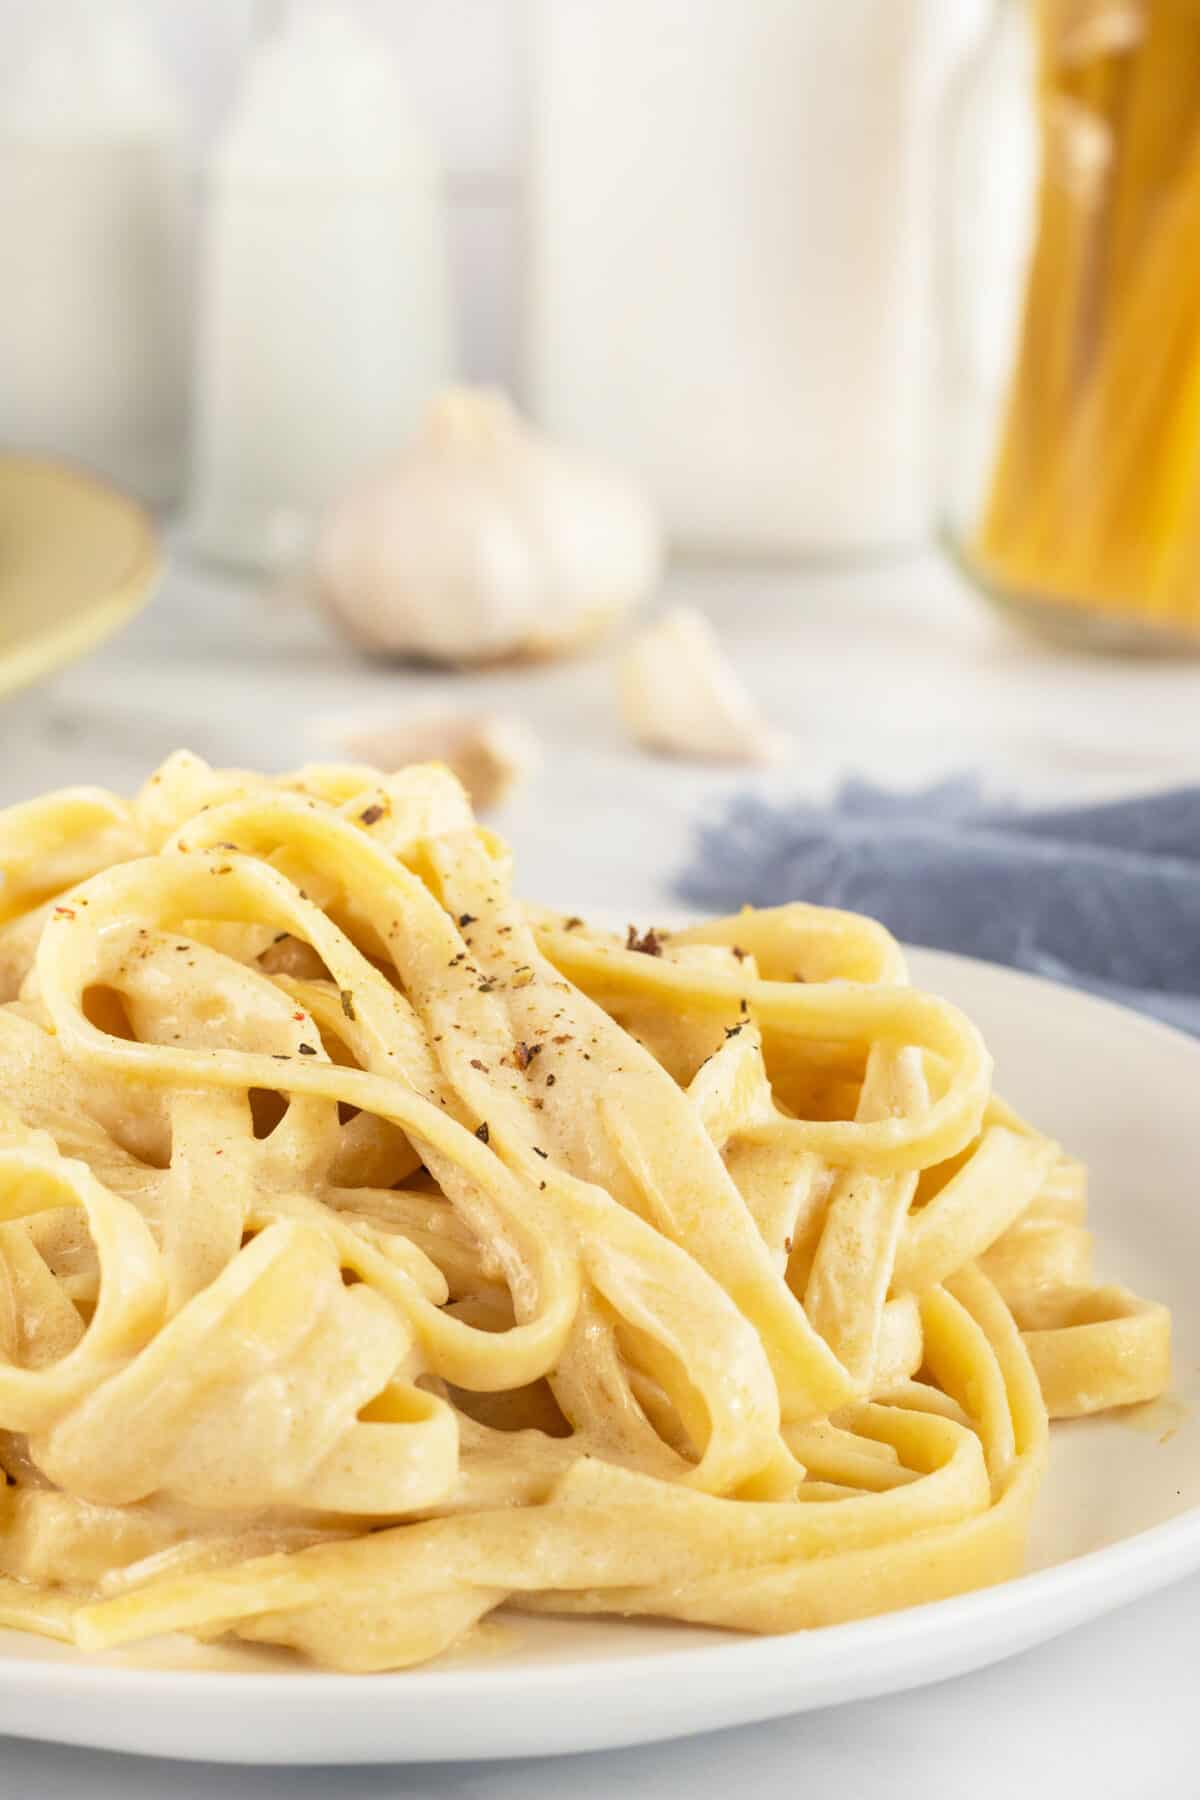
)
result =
(1119, 1515)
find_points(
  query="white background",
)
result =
(462, 61)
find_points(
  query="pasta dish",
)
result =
(377, 1250)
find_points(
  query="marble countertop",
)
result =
(892, 670)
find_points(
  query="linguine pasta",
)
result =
(1092, 500)
(376, 1250)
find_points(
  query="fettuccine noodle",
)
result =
(376, 1250)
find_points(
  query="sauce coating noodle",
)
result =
(376, 1250)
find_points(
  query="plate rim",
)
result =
(33, 657)
(1181, 1534)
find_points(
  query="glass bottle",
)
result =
(93, 339)
(325, 323)
(729, 254)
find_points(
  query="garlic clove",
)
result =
(484, 540)
(488, 753)
(679, 694)
(428, 564)
(600, 551)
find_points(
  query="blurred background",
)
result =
(651, 406)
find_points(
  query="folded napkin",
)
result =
(1105, 897)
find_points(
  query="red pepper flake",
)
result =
(523, 1054)
(482, 1132)
(476, 1064)
(299, 1017)
(346, 996)
(574, 923)
(564, 1037)
(649, 944)
(64, 912)
(739, 952)
(372, 815)
(787, 1246)
(465, 919)
(306, 1049)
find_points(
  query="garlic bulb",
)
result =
(488, 752)
(484, 540)
(679, 694)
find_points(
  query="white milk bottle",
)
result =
(324, 311)
(93, 328)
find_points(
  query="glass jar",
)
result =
(1071, 332)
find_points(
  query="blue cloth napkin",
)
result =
(1105, 897)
